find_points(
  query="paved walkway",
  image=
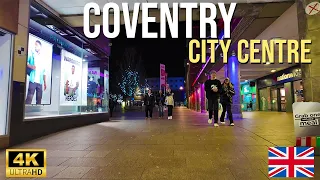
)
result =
(186, 148)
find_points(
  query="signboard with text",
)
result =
(162, 75)
(306, 117)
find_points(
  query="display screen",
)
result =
(71, 73)
(39, 66)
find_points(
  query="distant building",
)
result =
(176, 84)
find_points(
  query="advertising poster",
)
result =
(106, 90)
(71, 76)
(162, 75)
(39, 66)
(306, 117)
(85, 80)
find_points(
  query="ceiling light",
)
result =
(246, 81)
(273, 70)
(267, 63)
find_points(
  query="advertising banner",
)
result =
(39, 68)
(162, 76)
(306, 117)
(71, 73)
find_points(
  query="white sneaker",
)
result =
(168, 117)
(232, 124)
(223, 123)
(216, 125)
(210, 121)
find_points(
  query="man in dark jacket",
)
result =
(149, 103)
(213, 90)
(160, 99)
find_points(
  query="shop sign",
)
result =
(296, 73)
(306, 116)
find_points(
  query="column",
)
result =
(309, 28)
(233, 72)
(203, 99)
(19, 74)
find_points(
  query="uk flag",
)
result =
(295, 162)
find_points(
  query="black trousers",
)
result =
(213, 107)
(149, 110)
(226, 108)
(170, 109)
(111, 111)
(34, 87)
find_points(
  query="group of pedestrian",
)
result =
(215, 92)
(162, 100)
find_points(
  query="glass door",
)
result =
(283, 100)
(274, 99)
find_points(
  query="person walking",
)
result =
(213, 89)
(226, 100)
(111, 106)
(160, 102)
(169, 102)
(149, 103)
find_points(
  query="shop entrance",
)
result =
(278, 99)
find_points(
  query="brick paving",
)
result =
(186, 148)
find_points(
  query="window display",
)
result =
(69, 82)
(71, 73)
(39, 64)
(5, 74)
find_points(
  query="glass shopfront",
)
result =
(278, 91)
(66, 74)
(6, 45)
(248, 96)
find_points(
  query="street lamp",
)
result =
(181, 88)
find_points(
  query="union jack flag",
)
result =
(295, 162)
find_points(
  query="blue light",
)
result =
(1, 73)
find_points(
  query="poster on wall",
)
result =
(306, 116)
(39, 68)
(70, 84)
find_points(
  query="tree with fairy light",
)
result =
(129, 82)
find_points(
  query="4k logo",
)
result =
(26, 163)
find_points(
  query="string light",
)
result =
(129, 83)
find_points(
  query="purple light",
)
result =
(234, 23)
(203, 67)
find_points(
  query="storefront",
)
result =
(278, 91)
(248, 96)
(8, 29)
(67, 79)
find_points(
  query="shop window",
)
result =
(298, 91)
(5, 78)
(264, 97)
(65, 76)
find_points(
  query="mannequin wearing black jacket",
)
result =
(149, 101)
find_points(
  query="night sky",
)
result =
(169, 51)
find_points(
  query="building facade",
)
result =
(60, 79)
